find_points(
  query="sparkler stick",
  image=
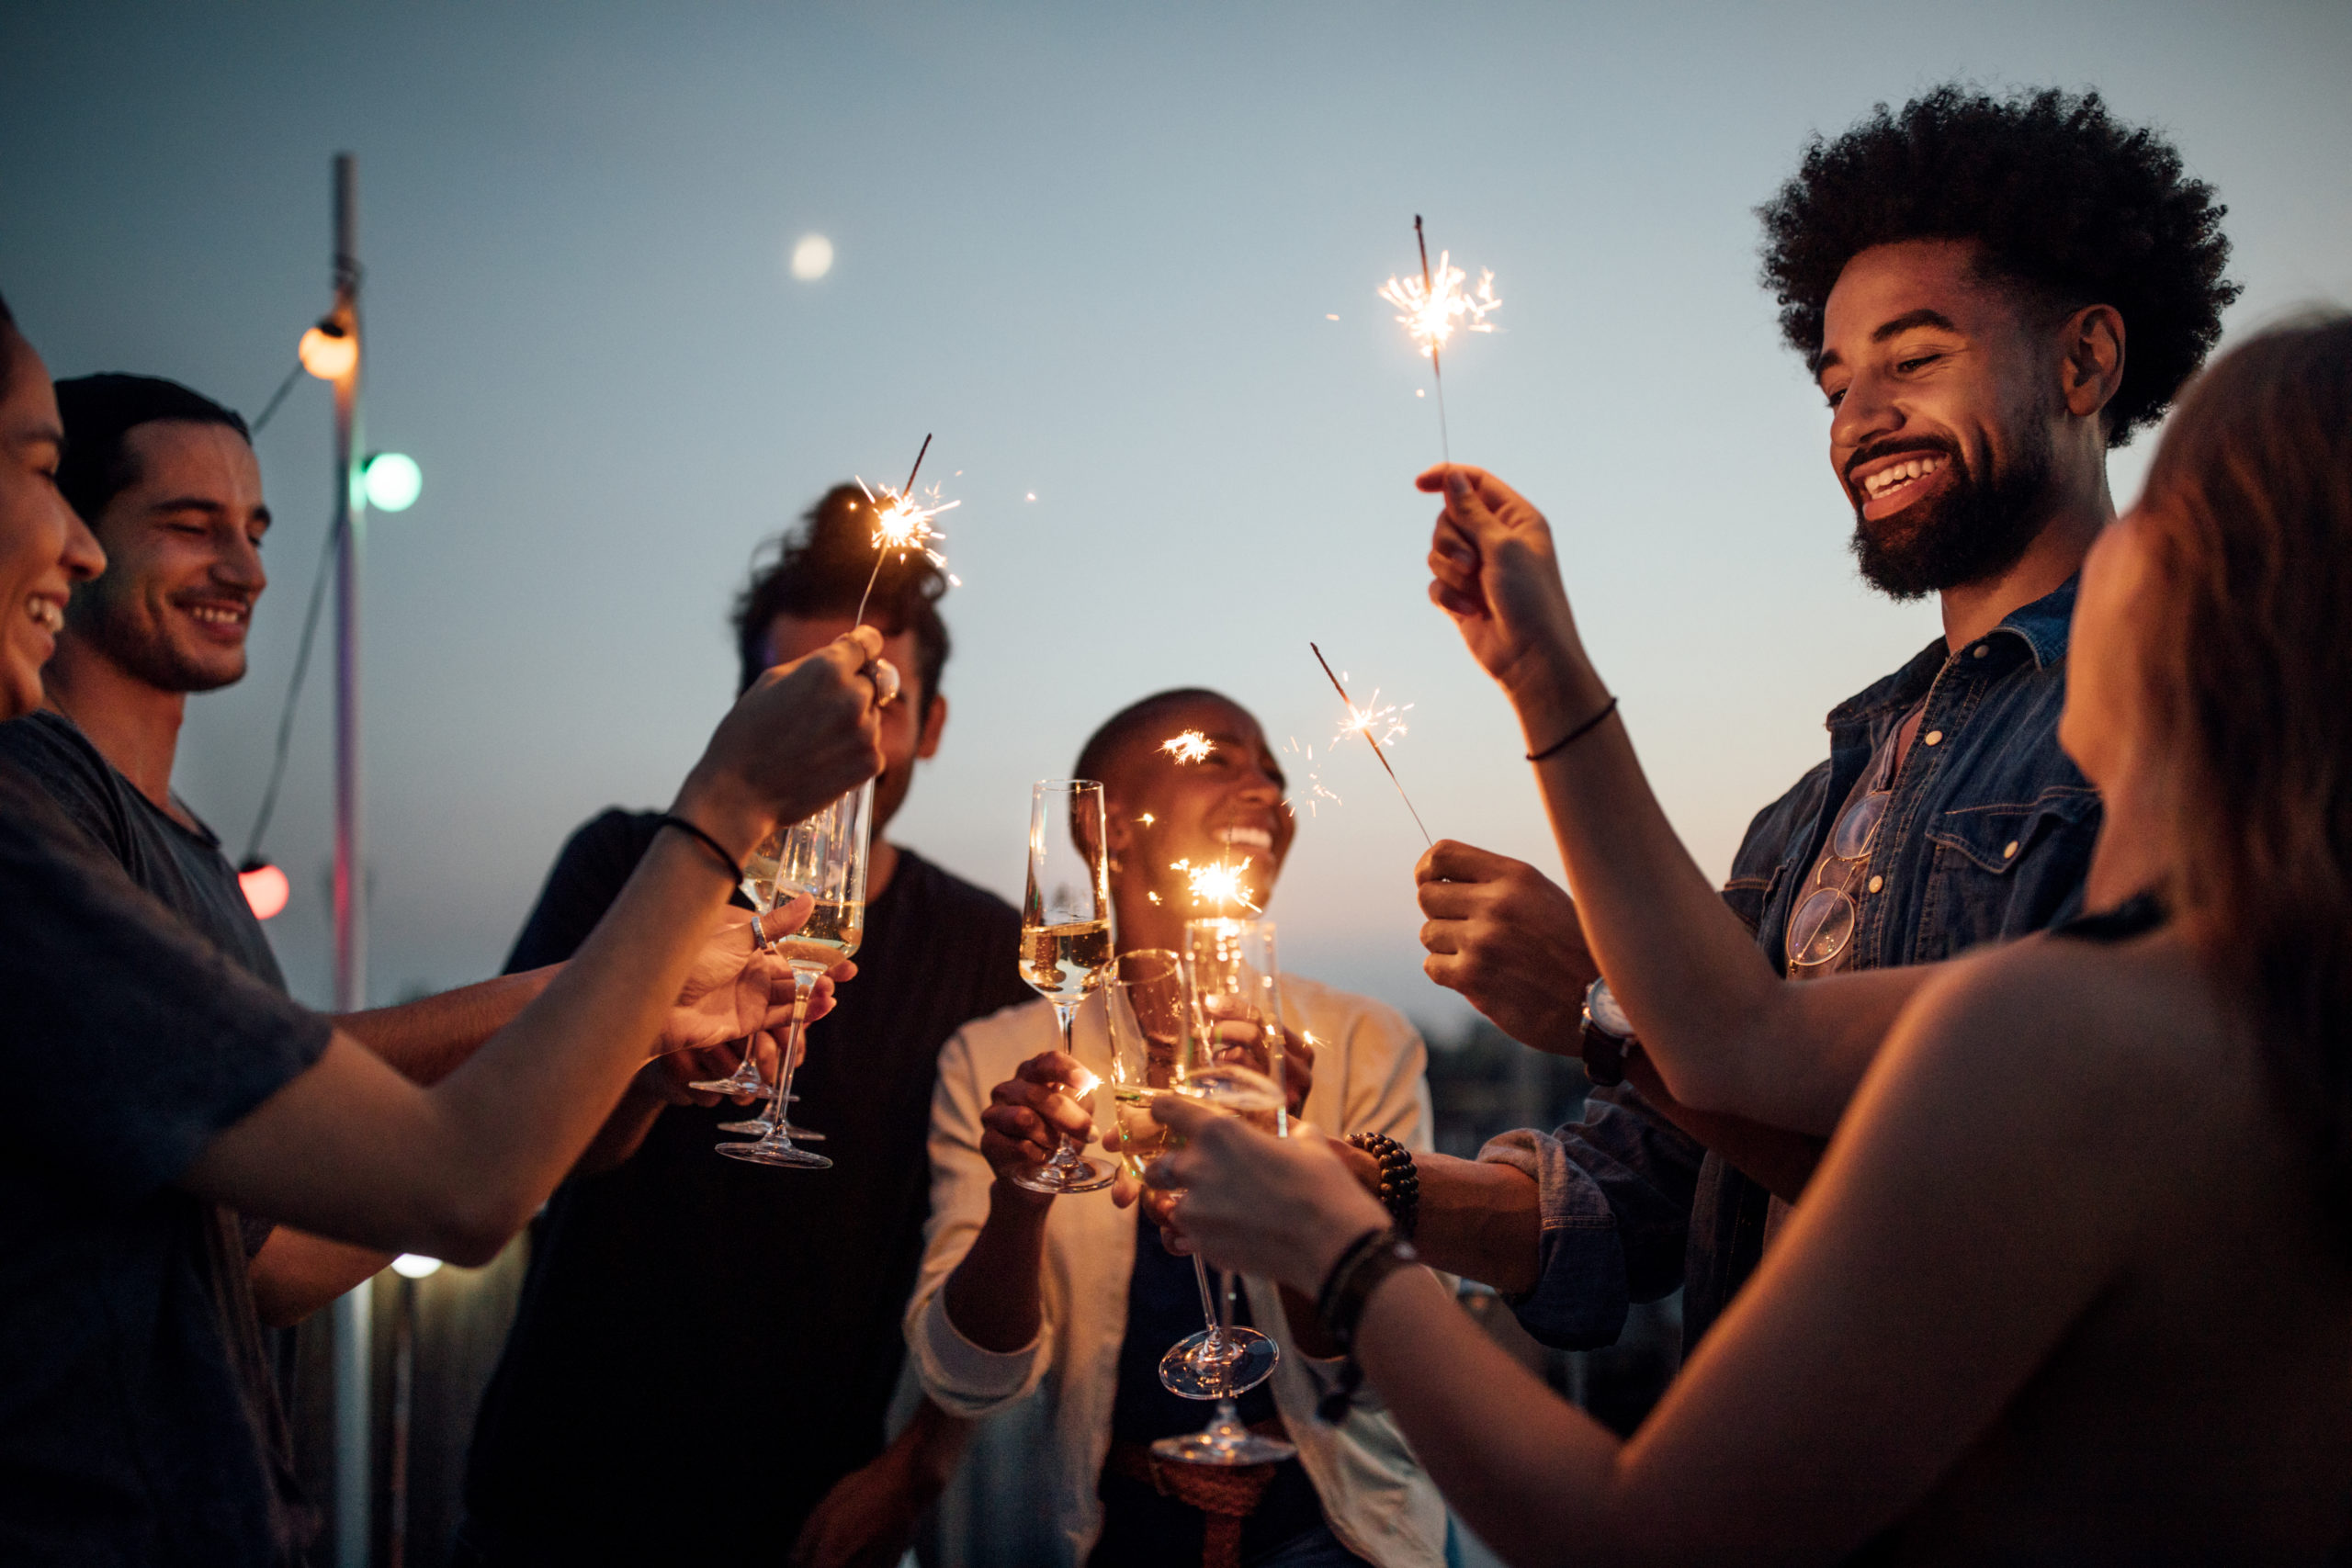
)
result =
(1433, 308)
(902, 526)
(1359, 719)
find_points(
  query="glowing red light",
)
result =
(265, 889)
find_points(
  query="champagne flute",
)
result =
(825, 858)
(1145, 1016)
(1066, 947)
(1233, 992)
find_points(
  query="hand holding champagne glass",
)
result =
(824, 858)
(1066, 949)
(1234, 1003)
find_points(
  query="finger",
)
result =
(842, 973)
(1443, 899)
(857, 647)
(1449, 860)
(1469, 607)
(1125, 1189)
(1052, 1067)
(1187, 1118)
(787, 918)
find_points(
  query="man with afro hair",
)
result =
(1991, 294)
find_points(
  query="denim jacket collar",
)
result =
(2039, 629)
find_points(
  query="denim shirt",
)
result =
(1987, 836)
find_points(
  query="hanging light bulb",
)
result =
(265, 888)
(329, 351)
(392, 482)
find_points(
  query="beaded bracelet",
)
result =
(1400, 1182)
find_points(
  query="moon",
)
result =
(812, 257)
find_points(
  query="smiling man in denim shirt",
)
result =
(1964, 278)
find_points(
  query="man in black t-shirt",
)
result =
(704, 1347)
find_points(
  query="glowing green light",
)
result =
(392, 482)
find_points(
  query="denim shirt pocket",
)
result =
(2004, 870)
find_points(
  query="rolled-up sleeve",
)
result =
(1615, 1190)
(960, 1376)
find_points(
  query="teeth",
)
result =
(1888, 477)
(217, 614)
(1254, 837)
(46, 614)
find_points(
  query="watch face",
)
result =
(1601, 1007)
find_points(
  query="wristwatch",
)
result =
(1608, 1037)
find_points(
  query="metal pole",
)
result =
(352, 1448)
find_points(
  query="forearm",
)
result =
(296, 1273)
(1479, 1220)
(426, 1039)
(1780, 1160)
(623, 1131)
(1528, 1472)
(350, 1149)
(932, 1447)
(992, 1296)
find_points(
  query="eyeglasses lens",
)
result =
(1821, 928)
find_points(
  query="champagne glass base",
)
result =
(753, 1127)
(1077, 1176)
(764, 1089)
(775, 1154)
(1225, 1441)
(1193, 1368)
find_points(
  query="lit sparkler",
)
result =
(1437, 307)
(1190, 747)
(1363, 721)
(902, 523)
(1220, 883)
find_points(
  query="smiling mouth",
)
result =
(218, 614)
(1897, 481)
(1245, 839)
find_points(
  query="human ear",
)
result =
(934, 723)
(2093, 369)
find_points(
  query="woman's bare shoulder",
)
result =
(2131, 1037)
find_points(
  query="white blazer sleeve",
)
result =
(959, 1376)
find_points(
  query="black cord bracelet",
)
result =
(1400, 1182)
(1578, 733)
(1338, 1306)
(670, 819)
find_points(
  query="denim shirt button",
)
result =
(2010, 851)
(1981, 650)
(1935, 737)
(1877, 882)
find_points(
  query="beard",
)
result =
(1979, 526)
(138, 650)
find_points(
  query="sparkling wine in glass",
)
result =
(1230, 1056)
(823, 857)
(1066, 948)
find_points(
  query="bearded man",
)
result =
(1963, 279)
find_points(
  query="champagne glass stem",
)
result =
(1066, 1154)
(803, 983)
(1223, 1329)
(1208, 1303)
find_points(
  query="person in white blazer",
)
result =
(1022, 1308)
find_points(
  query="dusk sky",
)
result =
(1098, 251)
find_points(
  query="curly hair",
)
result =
(2237, 634)
(2061, 197)
(822, 568)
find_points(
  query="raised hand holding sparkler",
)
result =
(1434, 309)
(1363, 721)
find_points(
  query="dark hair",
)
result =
(820, 568)
(2062, 198)
(100, 412)
(2239, 643)
(8, 354)
(1125, 725)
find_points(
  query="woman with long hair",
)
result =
(2073, 1280)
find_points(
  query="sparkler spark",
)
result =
(1317, 792)
(902, 523)
(1437, 307)
(1364, 720)
(1361, 721)
(1220, 883)
(1190, 747)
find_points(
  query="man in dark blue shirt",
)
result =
(1963, 279)
(705, 1348)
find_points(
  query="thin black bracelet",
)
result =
(1339, 1305)
(670, 819)
(1578, 733)
(1400, 1181)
